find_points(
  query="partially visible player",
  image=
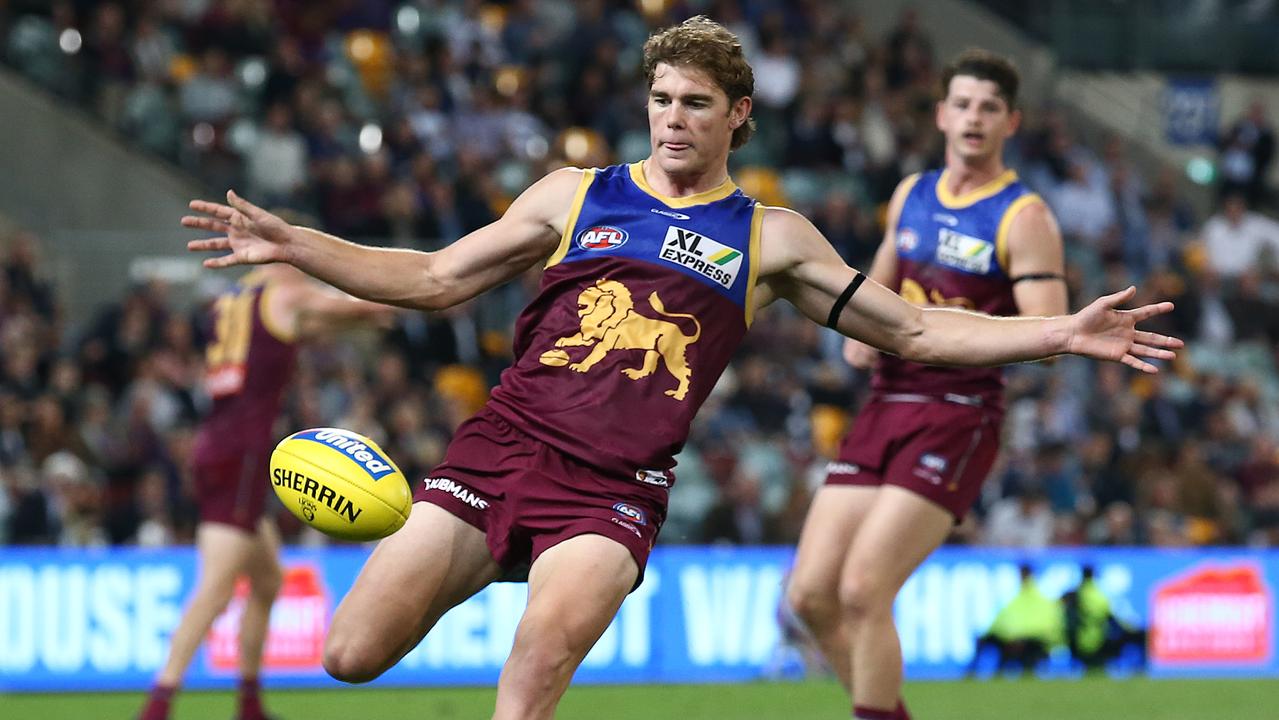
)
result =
(970, 236)
(653, 273)
(256, 329)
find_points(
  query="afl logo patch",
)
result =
(601, 237)
(632, 512)
(907, 239)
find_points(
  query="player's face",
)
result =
(690, 122)
(975, 119)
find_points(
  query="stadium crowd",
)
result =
(412, 124)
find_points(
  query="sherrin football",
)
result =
(340, 483)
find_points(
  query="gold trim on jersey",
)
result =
(570, 223)
(908, 184)
(1006, 224)
(752, 275)
(719, 192)
(990, 189)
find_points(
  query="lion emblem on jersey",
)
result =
(610, 322)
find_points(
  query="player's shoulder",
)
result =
(565, 177)
(903, 190)
(787, 237)
(1028, 213)
(553, 192)
(783, 220)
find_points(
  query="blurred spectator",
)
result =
(78, 499)
(1023, 520)
(1237, 239)
(277, 159)
(28, 517)
(210, 95)
(738, 518)
(1085, 207)
(1247, 148)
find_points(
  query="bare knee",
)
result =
(863, 597)
(816, 606)
(265, 584)
(351, 659)
(544, 653)
(539, 663)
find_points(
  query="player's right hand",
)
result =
(859, 354)
(253, 235)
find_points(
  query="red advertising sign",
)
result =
(295, 638)
(1213, 613)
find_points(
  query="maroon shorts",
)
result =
(233, 491)
(527, 496)
(941, 450)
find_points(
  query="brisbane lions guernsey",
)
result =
(638, 312)
(249, 366)
(953, 250)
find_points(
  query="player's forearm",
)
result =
(382, 275)
(956, 337)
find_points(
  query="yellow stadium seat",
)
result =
(583, 147)
(829, 424)
(763, 184)
(464, 385)
(374, 59)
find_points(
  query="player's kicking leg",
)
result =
(223, 552)
(412, 578)
(834, 516)
(575, 589)
(898, 532)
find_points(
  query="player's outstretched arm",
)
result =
(883, 270)
(799, 265)
(529, 231)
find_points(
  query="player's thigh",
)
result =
(224, 552)
(834, 516)
(575, 589)
(899, 530)
(412, 577)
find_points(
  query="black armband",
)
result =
(844, 297)
(1039, 276)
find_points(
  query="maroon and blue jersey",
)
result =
(638, 312)
(249, 364)
(953, 251)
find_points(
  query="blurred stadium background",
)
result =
(1148, 129)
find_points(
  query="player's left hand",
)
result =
(1104, 332)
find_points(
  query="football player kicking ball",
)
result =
(653, 272)
(256, 328)
(912, 465)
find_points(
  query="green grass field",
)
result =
(1094, 699)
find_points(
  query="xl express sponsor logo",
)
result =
(964, 252)
(704, 256)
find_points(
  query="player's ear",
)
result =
(739, 112)
(1014, 121)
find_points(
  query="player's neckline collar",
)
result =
(990, 189)
(719, 192)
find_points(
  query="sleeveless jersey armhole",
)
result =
(570, 223)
